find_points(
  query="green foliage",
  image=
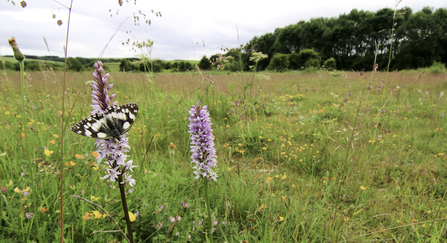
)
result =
(279, 62)
(29, 66)
(6, 65)
(351, 38)
(204, 63)
(126, 65)
(155, 66)
(330, 64)
(437, 68)
(182, 66)
(233, 60)
(74, 64)
(309, 58)
(294, 61)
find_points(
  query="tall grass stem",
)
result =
(62, 124)
(22, 86)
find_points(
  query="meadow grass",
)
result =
(293, 165)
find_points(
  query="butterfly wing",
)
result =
(114, 122)
(122, 117)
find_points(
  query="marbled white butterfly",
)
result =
(114, 122)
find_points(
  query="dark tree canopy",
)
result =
(418, 39)
(204, 63)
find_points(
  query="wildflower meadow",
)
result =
(303, 157)
(309, 155)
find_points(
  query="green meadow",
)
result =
(302, 157)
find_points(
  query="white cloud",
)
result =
(183, 24)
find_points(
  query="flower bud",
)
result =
(17, 54)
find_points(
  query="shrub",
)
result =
(330, 64)
(279, 62)
(294, 61)
(309, 58)
(74, 64)
(126, 65)
(437, 67)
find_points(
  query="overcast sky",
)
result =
(183, 24)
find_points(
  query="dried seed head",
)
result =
(23, 4)
(12, 42)
(171, 146)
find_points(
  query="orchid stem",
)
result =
(125, 209)
(208, 208)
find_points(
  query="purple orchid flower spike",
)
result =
(202, 143)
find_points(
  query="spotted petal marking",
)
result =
(114, 122)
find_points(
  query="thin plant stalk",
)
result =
(434, 218)
(62, 125)
(208, 209)
(22, 82)
(125, 209)
(4, 71)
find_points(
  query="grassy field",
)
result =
(315, 157)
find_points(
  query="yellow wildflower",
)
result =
(97, 214)
(21, 191)
(47, 152)
(132, 217)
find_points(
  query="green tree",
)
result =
(294, 61)
(204, 63)
(420, 46)
(262, 44)
(279, 62)
(440, 17)
(74, 64)
(126, 65)
(307, 58)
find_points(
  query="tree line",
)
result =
(352, 40)
(40, 63)
(158, 65)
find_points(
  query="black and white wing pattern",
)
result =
(114, 122)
